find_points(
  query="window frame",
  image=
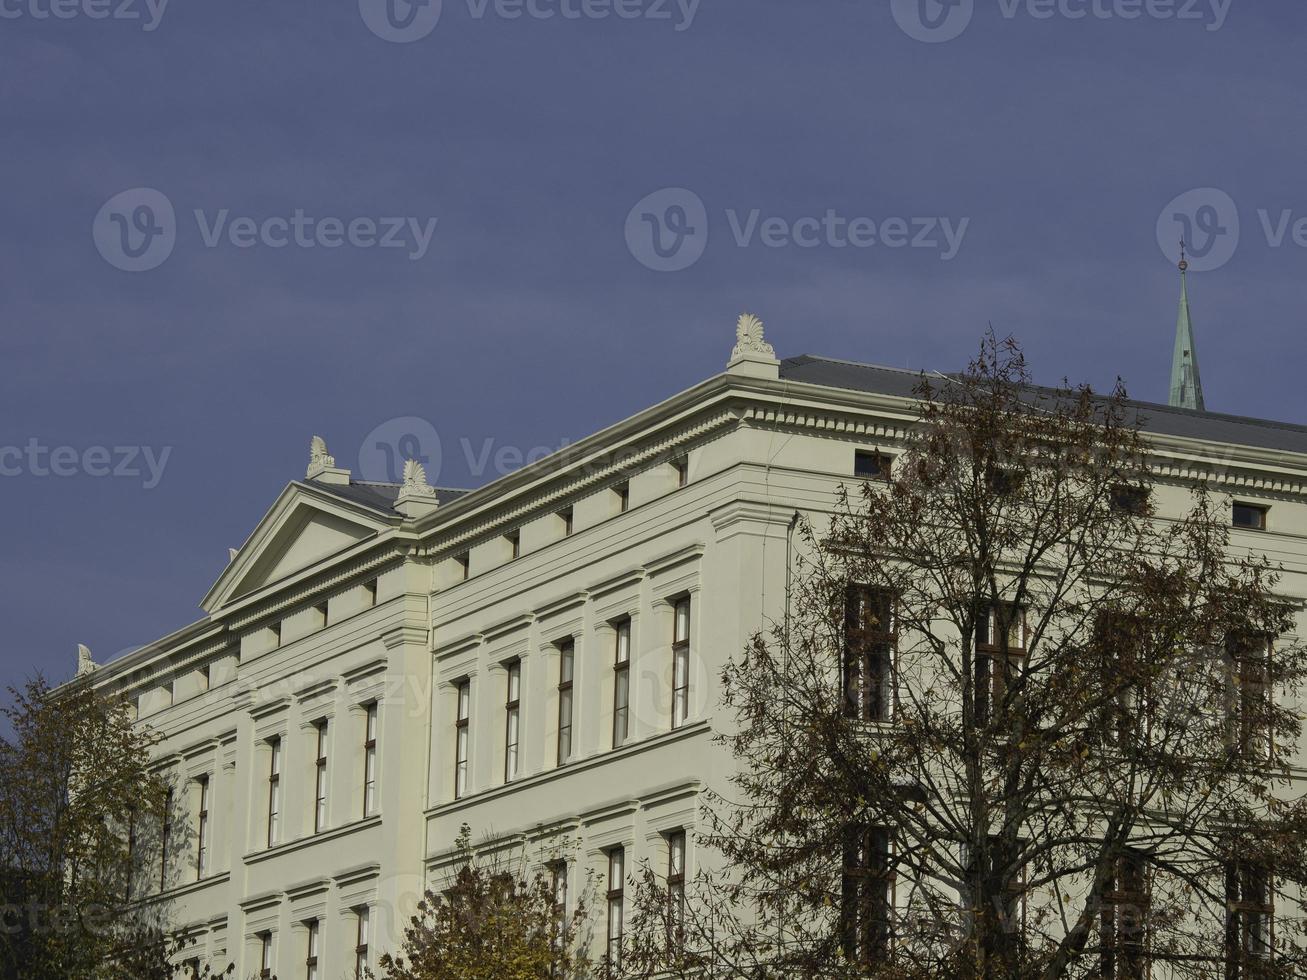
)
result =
(265, 955)
(869, 656)
(676, 867)
(314, 938)
(623, 492)
(566, 703)
(681, 464)
(462, 736)
(986, 654)
(1262, 512)
(165, 833)
(321, 729)
(362, 934)
(682, 627)
(615, 902)
(1248, 921)
(512, 719)
(371, 721)
(202, 830)
(866, 892)
(621, 681)
(880, 470)
(274, 791)
(514, 539)
(568, 517)
(1123, 937)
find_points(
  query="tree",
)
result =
(1015, 724)
(492, 922)
(80, 808)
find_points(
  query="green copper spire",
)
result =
(1186, 385)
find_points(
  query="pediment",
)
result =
(303, 530)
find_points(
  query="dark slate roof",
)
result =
(377, 496)
(1206, 426)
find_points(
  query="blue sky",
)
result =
(476, 196)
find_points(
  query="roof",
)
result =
(1162, 419)
(377, 496)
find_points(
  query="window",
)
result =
(1250, 516)
(191, 968)
(868, 465)
(1123, 926)
(461, 735)
(1002, 481)
(558, 887)
(1130, 500)
(1250, 700)
(1120, 638)
(311, 960)
(320, 779)
(370, 593)
(320, 615)
(265, 955)
(464, 562)
(1249, 904)
(274, 791)
(512, 719)
(868, 653)
(275, 630)
(565, 517)
(205, 677)
(999, 862)
(164, 832)
(676, 889)
(682, 467)
(363, 916)
(131, 850)
(621, 682)
(566, 665)
(616, 906)
(623, 492)
(865, 898)
(202, 830)
(681, 662)
(370, 761)
(1000, 648)
(514, 539)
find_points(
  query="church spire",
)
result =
(1186, 385)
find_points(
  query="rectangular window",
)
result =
(558, 887)
(866, 894)
(320, 779)
(681, 663)
(202, 830)
(616, 905)
(311, 960)
(1123, 926)
(566, 665)
(165, 832)
(514, 539)
(1250, 516)
(370, 592)
(1127, 700)
(461, 736)
(999, 862)
(621, 682)
(676, 889)
(320, 615)
(623, 493)
(1000, 649)
(565, 518)
(370, 761)
(1250, 905)
(274, 791)
(868, 465)
(1250, 700)
(363, 916)
(682, 467)
(275, 630)
(1130, 500)
(265, 955)
(869, 641)
(464, 565)
(205, 677)
(512, 720)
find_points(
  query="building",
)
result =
(380, 664)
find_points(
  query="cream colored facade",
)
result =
(349, 595)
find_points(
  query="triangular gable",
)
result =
(302, 529)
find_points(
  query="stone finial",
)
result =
(322, 465)
(416, 495)
(752, 354)
(84, 662)
(231, 554)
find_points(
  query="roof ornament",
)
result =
(322, 465)
(416, 496)
(84, 662)
(752, 354)
(231, 554)
(1186, 382)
